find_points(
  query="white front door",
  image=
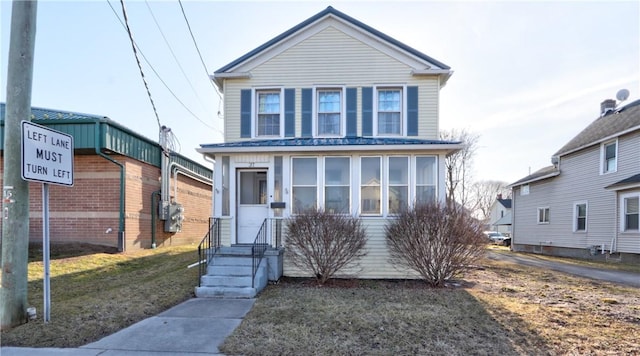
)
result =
(252, 204)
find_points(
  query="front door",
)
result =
(252, 204)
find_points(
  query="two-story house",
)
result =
(331, 114)
(500, 215)
(586, 203)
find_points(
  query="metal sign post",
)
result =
(47, 157)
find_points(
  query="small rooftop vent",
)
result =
(607, 107)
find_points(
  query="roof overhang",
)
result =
(546, 176)
(628, 183)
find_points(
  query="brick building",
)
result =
(121, 196)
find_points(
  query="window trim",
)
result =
(403, 109)
(315, 110)
(254, 111)
(623, 215)
(576, 217)
(548, 213)
(603, 161)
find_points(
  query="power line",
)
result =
(173, 53)
(160, 78)
(200, 54)
(135, 53)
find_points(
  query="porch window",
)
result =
(336, 184)
(425, 180)
(304, 184)
(370, 185)
(389, 111)
(268, 113)
(580, 216)
(329, 112)
(398, 184)
(631, 212)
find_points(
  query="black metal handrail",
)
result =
(271, 227)
(258, 248)
(208, 247)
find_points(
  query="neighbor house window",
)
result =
(398, 184)
(580, 216)
(268, 113)
(329, 112)
(370, 185)
(630, 204)
(524, 190)
(337, 180)
(304, 190)
(609, 157)
(389, 111)
(425, 180)
(543, 215)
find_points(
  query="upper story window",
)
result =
(268, 112)
(329, 112)
(609, 157)
(524, 190)
(389, 111)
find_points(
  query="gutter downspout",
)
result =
(176, 168)
(97, 145)
(153, 218)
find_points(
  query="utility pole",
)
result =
(15, 202)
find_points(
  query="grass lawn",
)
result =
(96, 292)
(496, 309)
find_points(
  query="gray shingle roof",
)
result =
(543, 173)
(630, 180)
(621, 120)
(505, 202)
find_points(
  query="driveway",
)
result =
(621, 277)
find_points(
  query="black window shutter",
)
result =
(352, 112)
(289, 112)
(245, 113)
(306, 101)
(412, 111)
(367, 111)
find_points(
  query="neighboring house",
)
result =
(118, 180)
(587, 202)
(500, 215)
(331, 114)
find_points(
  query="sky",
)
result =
(528, 76)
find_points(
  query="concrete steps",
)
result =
(230, 275)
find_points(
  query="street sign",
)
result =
(47, 155)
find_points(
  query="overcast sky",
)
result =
(528, 76)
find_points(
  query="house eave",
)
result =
(447, 148)
(218, 78)
(599, 141)
(546, 176)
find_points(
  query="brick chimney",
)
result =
(607, 106)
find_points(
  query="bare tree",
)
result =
(484, 194)
(459, 165)
(437, 241)
(323, 243)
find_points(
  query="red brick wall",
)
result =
(89, 211)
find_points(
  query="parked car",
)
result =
(498, 238)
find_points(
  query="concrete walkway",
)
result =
(195, 327)
(609, 275)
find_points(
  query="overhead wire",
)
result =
(160, 78)
(184, 74)
(135, 54)
(195, 43)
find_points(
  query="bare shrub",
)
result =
(437, 241)
(323, 243)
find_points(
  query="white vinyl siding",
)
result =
(316, 60)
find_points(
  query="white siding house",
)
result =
(500, 215)
(331, 114)
(586, 204)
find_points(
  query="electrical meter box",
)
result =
(175, 216)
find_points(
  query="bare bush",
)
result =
(437, 241)
(324, 243)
